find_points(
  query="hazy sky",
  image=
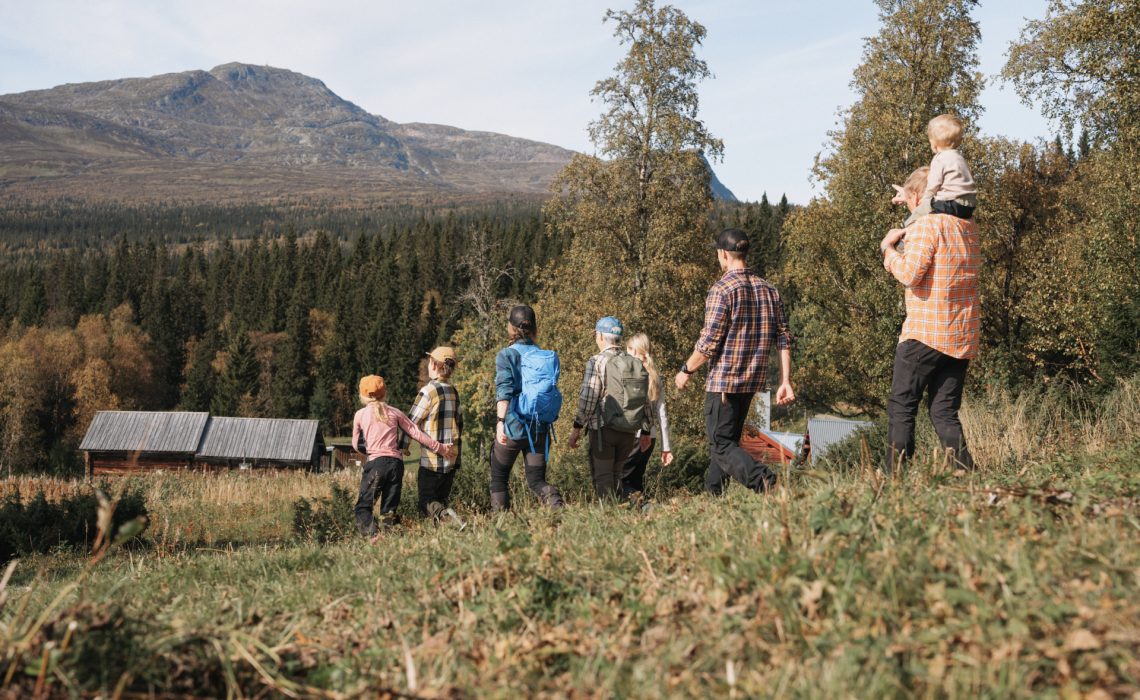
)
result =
(521, 68)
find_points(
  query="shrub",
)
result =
(325, 519)
(40, 525)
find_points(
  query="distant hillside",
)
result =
(241, 132)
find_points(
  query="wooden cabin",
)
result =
(769, 447)
(123, 442)
(132, 442)
(344, 456)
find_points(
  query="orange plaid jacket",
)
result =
(940, 271)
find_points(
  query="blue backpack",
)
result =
(539, 401)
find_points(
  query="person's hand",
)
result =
(574, 438)
(666, 458)
(900, 196)
(785, 395)
(646, 442)
(501, 433)
(448, 452)
(891, 238)
(407, 453)
(682, 380)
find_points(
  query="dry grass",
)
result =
(1020, 581)
(1000, 426)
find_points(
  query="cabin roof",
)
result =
(792, 442)
(259, 438)
(270, 439)
(144, 431)
(822, 433)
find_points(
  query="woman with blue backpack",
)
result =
(528, 402)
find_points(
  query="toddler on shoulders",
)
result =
(949, 186)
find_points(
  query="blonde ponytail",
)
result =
(641, 348)
(379, 408)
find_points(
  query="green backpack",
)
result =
(627, 390)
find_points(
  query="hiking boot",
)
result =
(551, 497)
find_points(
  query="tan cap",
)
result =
(444, 354)
(373, 387)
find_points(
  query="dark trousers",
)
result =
(434, 490)
(609, 449)
(724, 424)
(534, 464)
(383, 477)
(952, 208)
(919, 367)
(633, 473)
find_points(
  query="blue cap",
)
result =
(610, 325)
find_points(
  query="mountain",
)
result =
(240, 132)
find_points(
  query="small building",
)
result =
(769, 447)
(822, 433)
(122, 442)
(127, 442)
(344, 456)
(252, 443)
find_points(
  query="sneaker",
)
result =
(455, 518)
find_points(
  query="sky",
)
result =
(525, 68)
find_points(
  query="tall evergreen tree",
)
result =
(293, 378)
(240, 377)
(33, 304)
(202, 380)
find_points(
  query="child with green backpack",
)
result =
(612, 406)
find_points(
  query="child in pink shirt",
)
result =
(375, 430)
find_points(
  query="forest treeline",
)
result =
(277, 325)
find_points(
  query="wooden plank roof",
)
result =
(144, 431)
(259, 438)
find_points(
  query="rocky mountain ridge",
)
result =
(238, 131)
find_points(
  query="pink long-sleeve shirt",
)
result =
(382, 438)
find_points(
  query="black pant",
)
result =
(952, 208)
(434, 490)
(608, 453)
(534, 464)
(633, 473)
(918, 367)
(724, 424)
(383, 476)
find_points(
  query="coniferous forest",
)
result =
(253, 310)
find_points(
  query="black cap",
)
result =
(731, 239)
(522, 317)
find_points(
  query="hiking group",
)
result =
(621, 404)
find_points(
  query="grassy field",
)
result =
(1020, 580)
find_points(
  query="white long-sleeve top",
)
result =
(662, 419)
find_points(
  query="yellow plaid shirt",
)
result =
(940, 271)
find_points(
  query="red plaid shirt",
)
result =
(744, 317)
(940, 271)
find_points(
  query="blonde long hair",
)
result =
(379, 408)
(640, 347)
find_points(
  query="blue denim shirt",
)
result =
(508, 385)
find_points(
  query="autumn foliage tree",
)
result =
(637, 211)
(922, 63)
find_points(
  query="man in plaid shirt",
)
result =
(744, 319)
(438, 413)
(943, 322)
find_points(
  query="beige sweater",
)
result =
(950, 179)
